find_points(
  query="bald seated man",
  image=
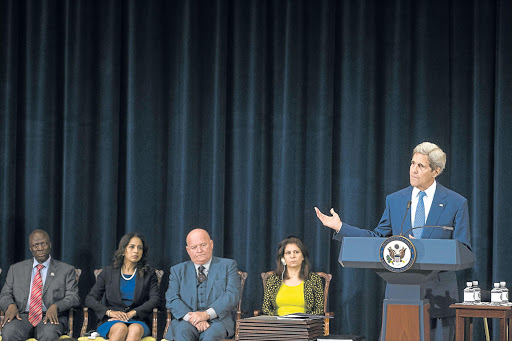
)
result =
(203, 293)
(38, 294)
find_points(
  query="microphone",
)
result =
(406, 210)
(448, 228)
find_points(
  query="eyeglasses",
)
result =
(42, 245)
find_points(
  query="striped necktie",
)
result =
(35, 312)
(201, 276)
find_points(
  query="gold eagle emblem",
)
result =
(401, 252)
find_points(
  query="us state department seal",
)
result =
(397, 254)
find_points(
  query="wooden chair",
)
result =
(239, 313)
(154, 327)
(327, 282)
(78, 272)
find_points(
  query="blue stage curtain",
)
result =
(239, 117)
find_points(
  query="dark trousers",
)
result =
(442, 329)
(20, 330)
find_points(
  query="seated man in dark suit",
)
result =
(203, 293)
(40, 289)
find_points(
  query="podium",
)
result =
(405, 311)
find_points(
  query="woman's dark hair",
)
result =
(118, 260)
(305, 267)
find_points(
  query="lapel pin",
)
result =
(441, 205)
(52, 274)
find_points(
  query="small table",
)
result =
(464, 331)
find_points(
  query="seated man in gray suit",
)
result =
(203, 293)
(40, 289)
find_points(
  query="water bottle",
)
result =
(478, 292)
(504, 293)
(469, 294)
(496, 295)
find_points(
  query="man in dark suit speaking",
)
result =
(430, 205)
(37, 294)
(203, 293)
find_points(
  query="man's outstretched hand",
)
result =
(333, 221)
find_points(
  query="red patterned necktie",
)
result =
(35, 311)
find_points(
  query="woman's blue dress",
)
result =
(127, 289)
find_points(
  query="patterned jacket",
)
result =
(313, 295)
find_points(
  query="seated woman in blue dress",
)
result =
(130, 289)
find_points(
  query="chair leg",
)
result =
(326, 323)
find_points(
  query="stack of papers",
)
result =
(279, 328)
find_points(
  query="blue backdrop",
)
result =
(240, 117)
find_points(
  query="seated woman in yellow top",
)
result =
(293, 288)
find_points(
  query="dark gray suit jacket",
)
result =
(60, 287)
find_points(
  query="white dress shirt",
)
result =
(44, 272)
(427, 200)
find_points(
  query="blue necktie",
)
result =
(419, 219)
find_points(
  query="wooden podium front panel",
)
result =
(403, 322)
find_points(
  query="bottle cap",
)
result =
(503, 284)
(469, 284)
(496, 285)
(475, 282)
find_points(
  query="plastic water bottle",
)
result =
(496, 295)
(478, 292)
(504, 293)
(469, 294)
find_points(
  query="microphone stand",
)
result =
(448, 228)
(406, 210)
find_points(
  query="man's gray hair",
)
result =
(436, 156)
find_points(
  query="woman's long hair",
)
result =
(118, 260)
(305, 267)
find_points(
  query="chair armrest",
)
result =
(1, 317)
(167, 323)
(85, 323)
(155, 322)
(70, 322)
